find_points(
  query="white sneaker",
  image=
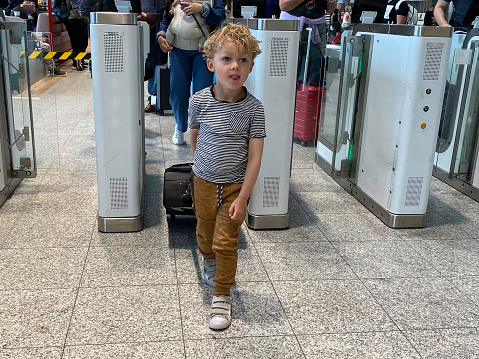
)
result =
(178, 137)
(209, 266)
(220, 315)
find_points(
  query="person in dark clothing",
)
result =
(152, 13)
(396, 12)
(76, 26)
(335, 23)
(429, 17)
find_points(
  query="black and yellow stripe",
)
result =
(57, 55)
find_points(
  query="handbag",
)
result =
(312, 9)
(149, 70)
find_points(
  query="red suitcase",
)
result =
(308, 107)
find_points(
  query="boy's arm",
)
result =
(255, 152)
(193, 138)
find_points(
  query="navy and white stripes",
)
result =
(224, 131)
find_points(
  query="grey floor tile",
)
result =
(469, 286)
(457, 257)
(154, 234)
(32, 353)
(302, 160)
(300, 260)
(439, 186)
(125, 314)
(293, 204)
(328, 202)
(384, 259)
(331, 306)
(7, 223)
(353, 227)
(256, 312)
(455, 343)
(370, 345)
(182, 231)
(172, 349)
(466, 221)
(35, 318)
(270, 347)
(129, 266)
(38, 268)
(312, 180)
(301, 229)
(51, 230)
(189, 265)
(452, 201)
(437, 227)
(424, 303)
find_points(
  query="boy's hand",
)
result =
(238, 209)
(164, 45)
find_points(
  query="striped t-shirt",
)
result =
(225, 128)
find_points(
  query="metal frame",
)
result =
(389, 219)
(271, 221)
(463, 187)
(119, 225)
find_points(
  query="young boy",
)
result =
(227, 135)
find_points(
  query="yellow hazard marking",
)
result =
(80, 55)
(49, 55)
(57, 55)
(34, 54)
(65, 56)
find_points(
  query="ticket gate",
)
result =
(456, 160)
(119, 47)
(273, 82)
(17, 150)
(379, 125)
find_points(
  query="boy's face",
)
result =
(231, 65)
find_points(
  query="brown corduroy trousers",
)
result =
(216, 233)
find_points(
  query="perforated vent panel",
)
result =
(271, 191)
(113, 45)
(413, 192)
(279, 56)
(433, 61)
(119, 193)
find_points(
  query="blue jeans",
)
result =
(186, 65)
(152, 87)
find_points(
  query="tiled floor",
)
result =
(337, 284)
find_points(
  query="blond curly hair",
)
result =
(237, 33)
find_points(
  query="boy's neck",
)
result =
(225, 95)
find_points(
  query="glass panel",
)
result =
(463, 156)
(352, 55)
(449, 109)
(329, 108)
(339, 106)
(16, 95)
(44, 89)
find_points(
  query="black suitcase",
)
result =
(177, 190)
(162, 73)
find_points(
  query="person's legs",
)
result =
(180, 80)
(206, 211)
(225, 248)
(225, 241)
(152, 92)
(202, 77)
(76, 29)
